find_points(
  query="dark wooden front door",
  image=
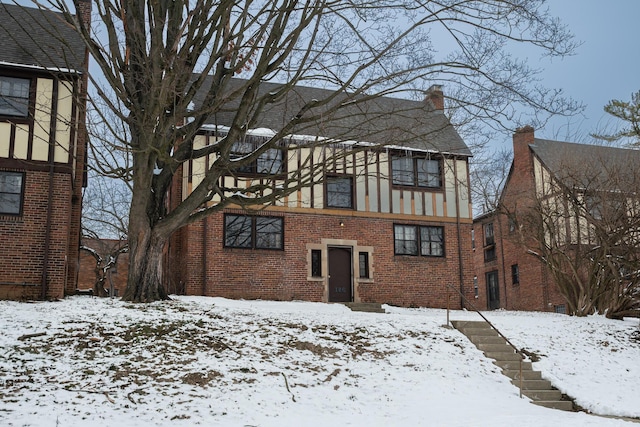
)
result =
(340, 275)
(493, 290)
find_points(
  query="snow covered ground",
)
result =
(216, 362)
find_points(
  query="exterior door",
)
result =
(340, 275)
(493, 290)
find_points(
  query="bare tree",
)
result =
(583, 225)
(488, 174)
(165, 67)
(106, 253)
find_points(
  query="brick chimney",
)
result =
(436, 97)
(83, 12)
(522, 159)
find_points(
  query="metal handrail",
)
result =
(516, 349)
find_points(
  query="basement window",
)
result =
(561, 309)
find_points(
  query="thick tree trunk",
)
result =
(146, 248)
(145, 279)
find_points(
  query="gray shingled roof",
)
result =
(587, 166)
(383, 120)
(34, 37)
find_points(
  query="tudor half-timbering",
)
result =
(43, 80)
(562, 207)
(387, 223)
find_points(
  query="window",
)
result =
(561, 309)
(488, 234)
(316, 263)
(363, 258)
(515, 274)
(268, 163)
(416, 171)
(490, 253)
(339, 192)
(253, 232)
(14, 96)
(408, 239)
(431, 241)
(489, 243)
(11, 192)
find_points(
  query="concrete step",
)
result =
(503, 356)
(539, 390)
(514, 374)
(563, 405)
(533, 384)
(368, 307)
(513, 365)
(545, 395)
(495, 348)
(487, 339)
(478, 332)
(461, 324)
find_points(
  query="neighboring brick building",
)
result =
(391, 224)
(506, 274)
(43, 80)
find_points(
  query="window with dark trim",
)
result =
(316, 263)
(515, 274)
(253, 232)
(416, 171)
(11, 192)
(489, 243)
(488, 234)
(269, 162)
(339, 192)
(490, 253)
(363, 259)
(418, 240)
(14, 96)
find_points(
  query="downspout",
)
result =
(504, 267)
(47, 233)
(459, 232)
(204, 257)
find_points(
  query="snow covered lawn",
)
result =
(216, 362)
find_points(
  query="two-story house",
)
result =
(388, 222)
(43, 83)
(551, 207)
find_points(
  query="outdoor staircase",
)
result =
(368, 307)
(539, 390)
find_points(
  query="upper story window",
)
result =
(14, 96)
(488, 234)
(418, 240)
(416, 171)
(339, 192)
(489, 243)
(11, 192)
(269, 162)
(253, 232)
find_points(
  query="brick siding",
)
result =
(409, 281)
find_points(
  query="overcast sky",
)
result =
(605, 67)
